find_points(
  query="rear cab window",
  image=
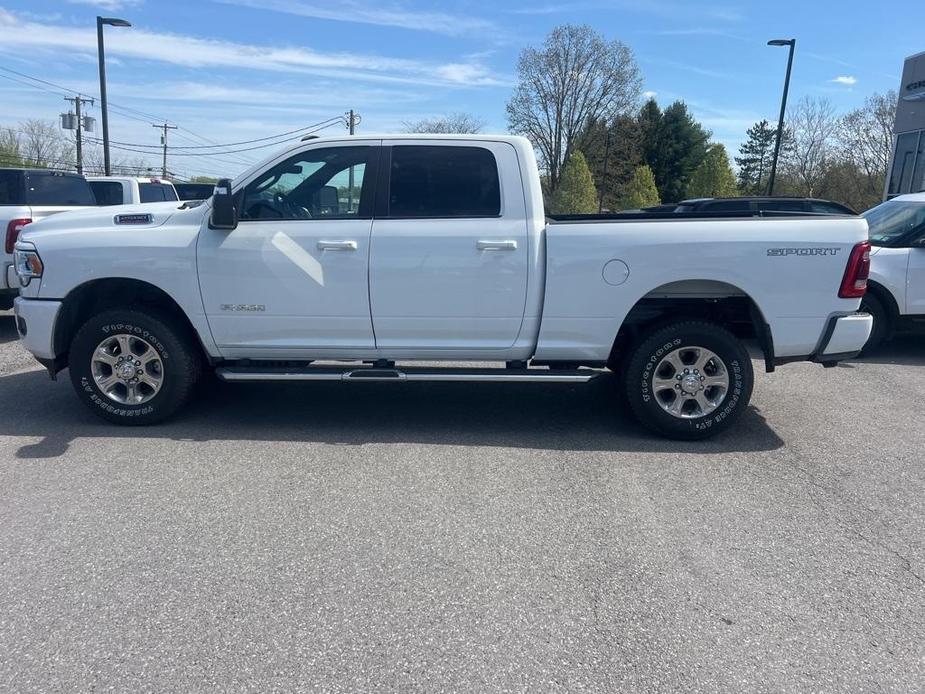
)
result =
(107, 192)
(443, 182)
(53, 188)
(156, 192)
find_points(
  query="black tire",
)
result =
(6, 301)
(882, 322)
(179, 364)
(646, 403)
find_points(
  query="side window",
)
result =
(53, 188)
(826, 208)
(726, 206)
(903, 163)
(329, 183)
(782, 205)
(107, 192)
(440, 181)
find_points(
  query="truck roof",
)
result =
(910, 197)
(418, 136)
(140, 179)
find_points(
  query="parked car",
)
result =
(761, 203)
(27, 195)
(432, 248)
(896, 295)
(128, 190)
(194, 191)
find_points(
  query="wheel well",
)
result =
(716, 302)
(100, 295)
(886, 298)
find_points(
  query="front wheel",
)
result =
(132, 367)
(689, 380)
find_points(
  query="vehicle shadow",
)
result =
(7, 327)
(907, 349)
(534, 416)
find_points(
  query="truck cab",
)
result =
(131, 190)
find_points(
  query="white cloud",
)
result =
(192, 51)
(384, 15)
(649, 95)
(847, 80)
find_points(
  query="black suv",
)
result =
(756, 203)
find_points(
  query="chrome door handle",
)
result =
(337, 245)
(496, 245)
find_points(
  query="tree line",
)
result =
(578, 101)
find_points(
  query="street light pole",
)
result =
(100, 21)
(783, 108)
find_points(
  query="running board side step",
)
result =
(327, 373)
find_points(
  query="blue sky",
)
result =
(231, 70)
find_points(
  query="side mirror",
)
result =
(224, 216)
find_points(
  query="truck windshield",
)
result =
(891, 222)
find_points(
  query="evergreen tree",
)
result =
(640, 191)
(673, 146)
(754, 160)
(576, 193)
(714, 177)
(613, 153)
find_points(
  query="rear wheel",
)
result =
(132, 367)
(689, 380)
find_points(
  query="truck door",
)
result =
(293, 275)
(449, 251)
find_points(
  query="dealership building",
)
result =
(907, 170)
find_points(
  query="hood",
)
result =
(124, 217)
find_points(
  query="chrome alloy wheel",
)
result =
(127, 369)
(690, 382)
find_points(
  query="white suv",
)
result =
(896, 290)
(27, 195)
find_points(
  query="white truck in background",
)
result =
(896, 293)
(435, 249)
(27, 195)
(131, 190)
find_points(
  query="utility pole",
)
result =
(75, 121)
(165, 128)
(353, 119)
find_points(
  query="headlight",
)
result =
(28, 265)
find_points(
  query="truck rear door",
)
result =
(448, 257)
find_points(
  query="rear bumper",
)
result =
(9, 282)
(35, 322)
(843, 338)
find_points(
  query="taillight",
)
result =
(854, 283)
(13, 230)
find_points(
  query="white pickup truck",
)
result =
(131, 190)
(896, 295)
(379, 251)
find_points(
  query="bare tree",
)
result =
(810, 146)
(41, 143)
(575, 78)
(865, 135)
(10, 154)
(451, 123)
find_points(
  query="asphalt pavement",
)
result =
(452, 537)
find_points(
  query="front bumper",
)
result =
(35, 322)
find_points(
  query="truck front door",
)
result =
(291, 279)
(449, 252)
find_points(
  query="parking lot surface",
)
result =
(451, 537)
